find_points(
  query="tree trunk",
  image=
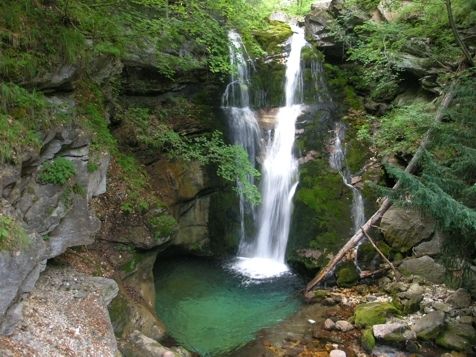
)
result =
(457, 36)
(357, 237)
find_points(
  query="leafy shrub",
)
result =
(163, 226)
(12, 235)
(57, 172)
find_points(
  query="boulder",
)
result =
(138, 344)
(368, 340)
(425, 267)
(347, 274)
(404, 228)
(430, 325)
(65, 314)
(373, 313)
(337, 353)
(431, 247)
(393, 332)
(459, 299)
(458, 336)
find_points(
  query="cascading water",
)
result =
(242, 120)
(265, 256)
(337, 162)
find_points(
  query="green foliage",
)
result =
(22, 115)
(57, 172)
(400, 130)
(420, 28)
(12, 234)
(163, 226)
(368, 340)
(231, 161)
(444, 187)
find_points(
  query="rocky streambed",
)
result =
(404, 317)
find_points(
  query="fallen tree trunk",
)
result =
(357, 237)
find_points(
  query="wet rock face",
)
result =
(55, 216)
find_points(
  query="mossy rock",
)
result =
(368, 257)
(368, 340)
(373, 313)
(275, 34)
(347, 275)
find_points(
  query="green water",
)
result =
(210, 310)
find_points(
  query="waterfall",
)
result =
(265, 256)
(242, 120)
(337, 162)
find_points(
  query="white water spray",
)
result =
(243, 123)
(265, 256)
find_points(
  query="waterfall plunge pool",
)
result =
(211, 309)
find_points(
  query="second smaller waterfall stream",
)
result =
(337, 162)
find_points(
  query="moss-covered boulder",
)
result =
(368, 340)
(373, 313)
(458, 336)
(273, 35)
(347, 274)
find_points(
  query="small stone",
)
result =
(329, 324)
(337, 353)
(344, 326)
(459, 299)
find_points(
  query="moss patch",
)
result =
(373, 313)
(272, 36)
(368, 340)
(347, 274)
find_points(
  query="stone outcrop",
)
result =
(55, 216)
(66, 314)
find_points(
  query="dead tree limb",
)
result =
(395, 272)
(412, 165)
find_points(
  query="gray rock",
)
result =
(424, 266)
(405, 228)
(140, 345)
(393, 332)
(337, 353)
(344, 326)
(430, 248)
(459, 299)
(97, 181)
(107, 288)
(452, 341)
(329, 324)
(440, 306)
(430, 325)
